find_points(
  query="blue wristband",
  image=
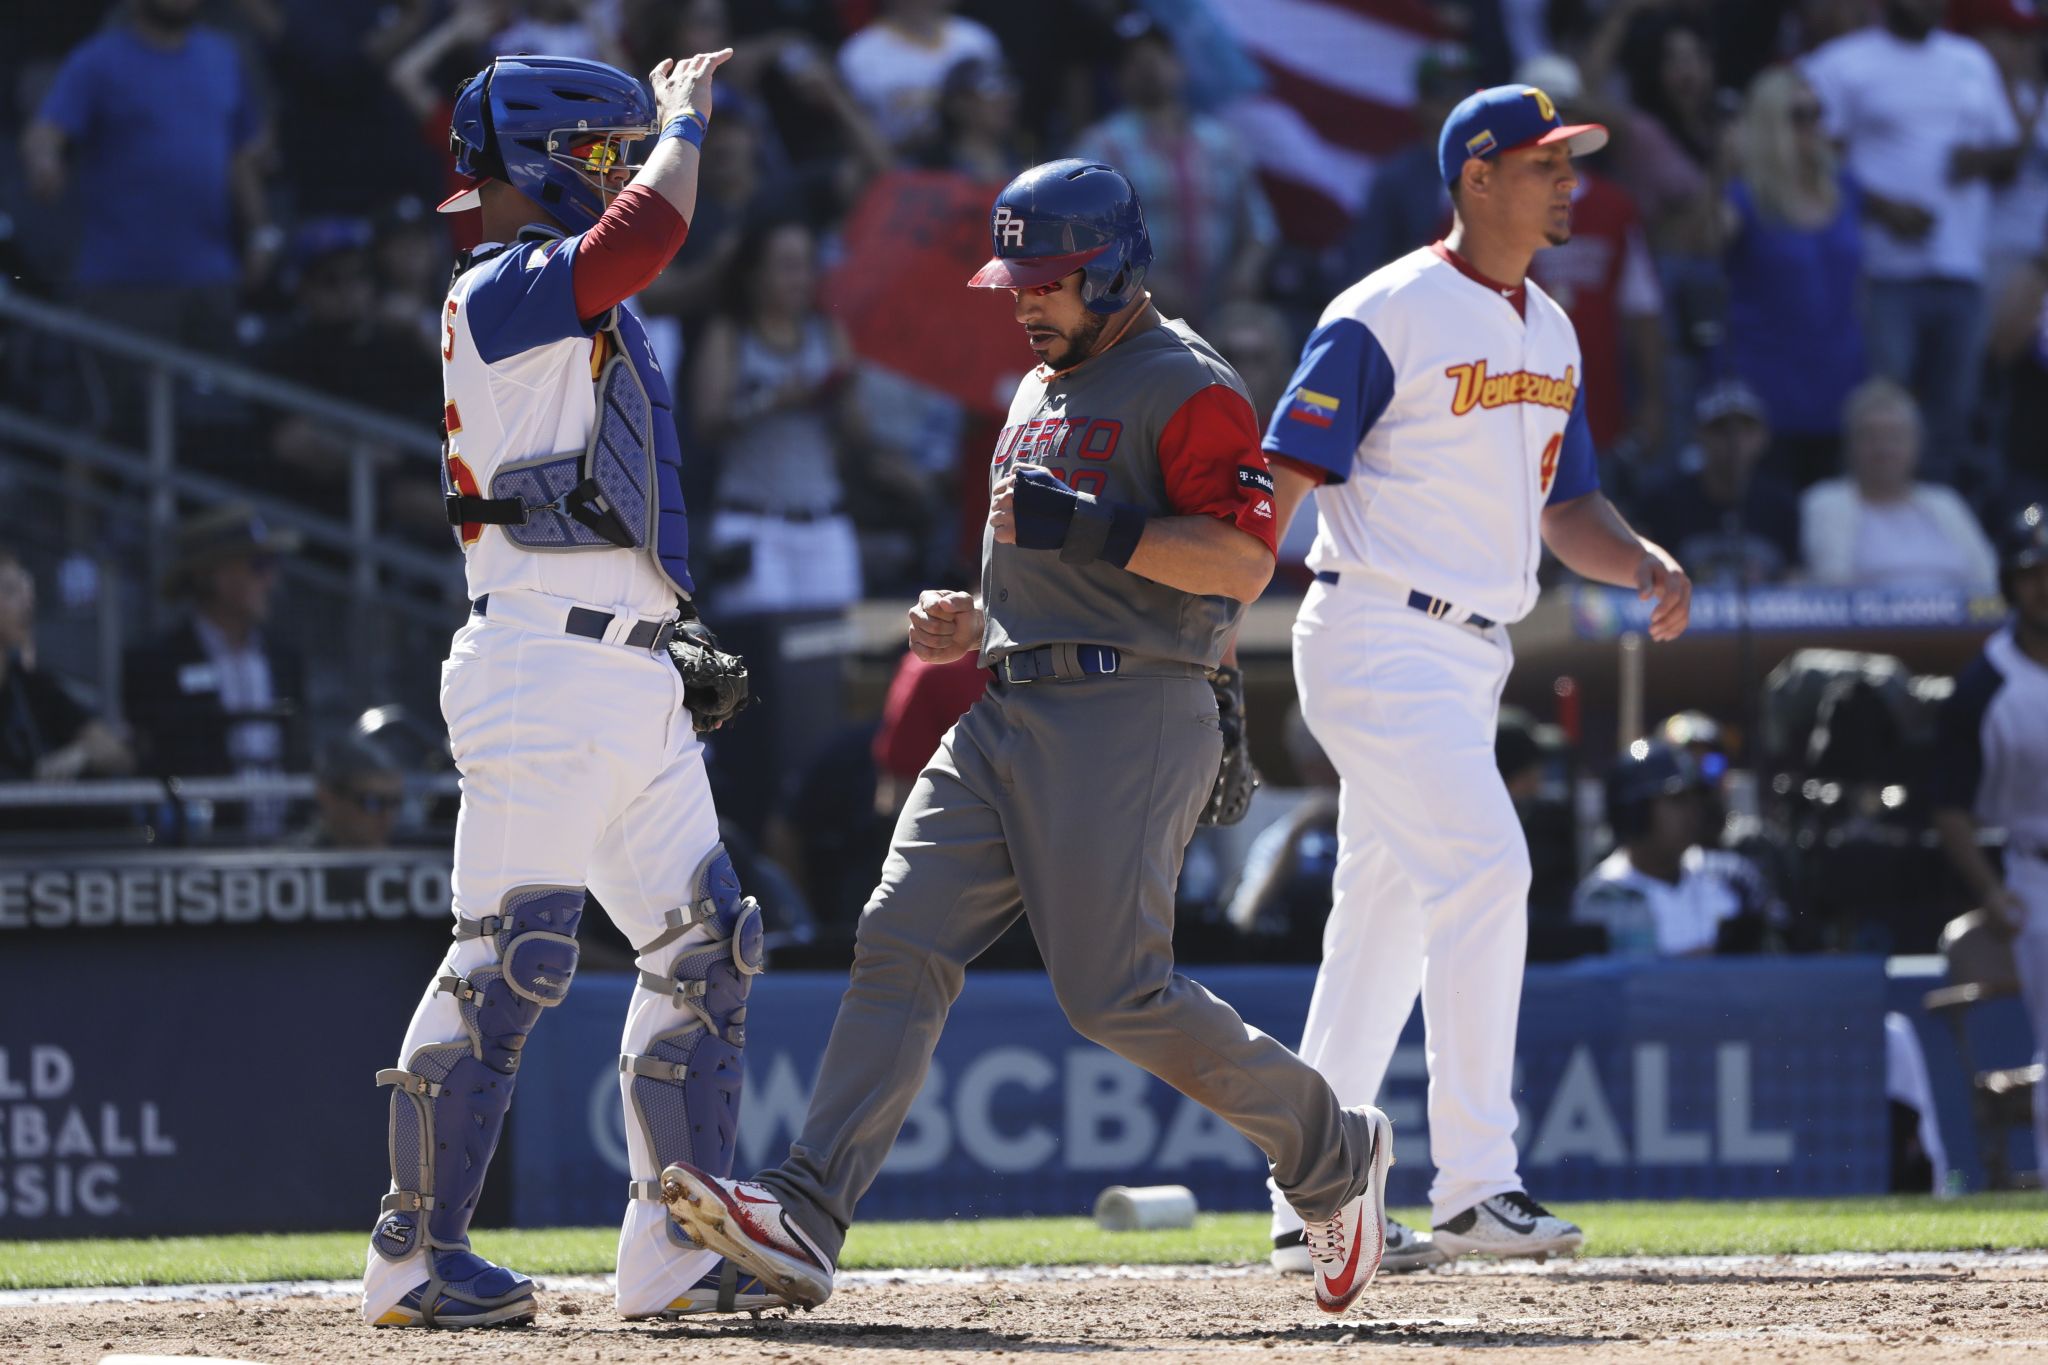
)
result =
(687, 126)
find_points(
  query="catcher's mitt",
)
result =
(714, 682)
(1236, 779)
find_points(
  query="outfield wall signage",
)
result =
(202, 888)
(1698, 1079)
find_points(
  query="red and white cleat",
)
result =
(746, 1224)
(1345, 1249)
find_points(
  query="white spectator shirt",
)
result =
(1648, 917)
(1902, 110)
(896, 75)
(2019, 211)
(1901, 545)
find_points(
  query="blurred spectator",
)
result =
(2010, 30)
(1605, 281)
(976, 131)
(771, 392)
(1407, 205)
(411, 259)
(895, 65)
(924, 701)
(1283, 892)
(2019, 355)
(358, 793)
(562, 28)
(1878, 527)
(425, 72)
(1210, 225)
(1994, 744)
(1667, 144)
(1660, 894)
(342, 341)
(1928, 131)
(157, 117)
(730, 197)
(1726, 521)
(217, 694)
(1532, 758)
(1794, 257)
(1254, 338)
(46, 733)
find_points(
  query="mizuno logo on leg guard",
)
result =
(448, 1102)
(683, 1088)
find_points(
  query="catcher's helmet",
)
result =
(1643, 773)
(1065, 216)
(551, 127)
(2022, 545)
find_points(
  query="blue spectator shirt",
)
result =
(1795, 333)
(152, 139)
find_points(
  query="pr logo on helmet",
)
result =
(1009, 228)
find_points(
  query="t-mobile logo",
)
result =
(1009, 227)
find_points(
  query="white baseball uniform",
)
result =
(1994, 746)
(580, 767)
(1443, 412)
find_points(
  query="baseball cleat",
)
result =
(1507, 1226)
(464, 1290)
(1345, 1248)
(745, 1223)
(1406, 1251)
(725, 1288)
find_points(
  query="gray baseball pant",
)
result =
(1070, 803)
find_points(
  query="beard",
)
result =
(1080, 343)
(1558, 236)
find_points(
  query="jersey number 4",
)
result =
(1547, 470)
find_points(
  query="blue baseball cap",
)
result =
(1506, 118)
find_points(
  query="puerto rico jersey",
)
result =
(518, 368)
(1443, 413)
(1159, 421)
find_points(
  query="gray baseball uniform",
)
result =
(1068, 794)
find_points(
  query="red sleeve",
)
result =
(1314, 473)
(1210, 456)
(923, 702)
(625, 249)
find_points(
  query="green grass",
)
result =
(1764, 1227)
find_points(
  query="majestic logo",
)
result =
(1543, 104)
(1262, 508)
(1009, 228)
(1478, 389)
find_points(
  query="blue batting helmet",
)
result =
(1065, 216)
(2022, 544)
(550, 127)
(1644, 772)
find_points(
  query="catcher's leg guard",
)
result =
(685, 1087)
(681, 1073)
(448, 1108)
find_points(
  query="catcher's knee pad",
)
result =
(684, 1090)
(448, 1102)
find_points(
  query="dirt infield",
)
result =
(1935, 1308)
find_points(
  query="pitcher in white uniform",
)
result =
(1438, 415)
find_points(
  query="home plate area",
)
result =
(1935, 1307)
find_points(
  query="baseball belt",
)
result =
(552, 615)
(1070, 663)
(1436, 608)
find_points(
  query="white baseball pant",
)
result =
(1432, 880)
(579, 768)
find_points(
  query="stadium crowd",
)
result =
(1809, 276)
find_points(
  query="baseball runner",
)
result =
(1994, 774)
(1129, 520)
(1438, 412)
(573, 727)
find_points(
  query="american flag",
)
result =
(1340, 85)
